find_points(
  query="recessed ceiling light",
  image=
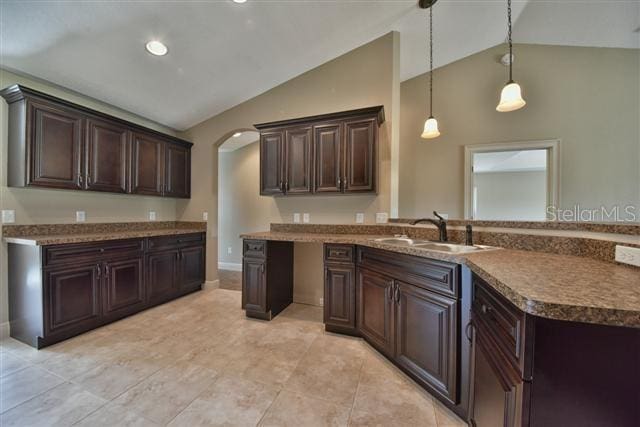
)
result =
(157, 48)
(240, 1)
(237, 134)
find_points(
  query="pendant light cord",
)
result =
(431, 62)
(510, 42)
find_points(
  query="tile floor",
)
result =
(231, 280)
(199, 361)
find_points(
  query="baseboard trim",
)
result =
(232, 266)
(211, 284)
(4, 330)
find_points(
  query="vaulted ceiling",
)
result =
(222, 53)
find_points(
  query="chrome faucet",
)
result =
(441, 223)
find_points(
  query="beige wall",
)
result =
(587, 97)
(363, 77)
(35, 206)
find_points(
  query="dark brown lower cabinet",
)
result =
(340, 302)
(56, 292)
(254, 285)
(376, 310)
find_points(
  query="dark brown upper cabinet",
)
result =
(271, 167)
(107, 156)
(57, 144)
(327, 154)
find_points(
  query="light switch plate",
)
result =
(229, 250)
(382, 217)
(81, 216)
(205, 216)
(296, 218)
(8, 216)
(628, 255)
(359, 218)
(152, 215)
(305, 218)
(321, 301)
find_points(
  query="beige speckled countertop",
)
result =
(554, 286)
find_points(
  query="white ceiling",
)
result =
(222, 53)
(236, 142)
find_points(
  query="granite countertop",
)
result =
(58, 239)
(554, 286)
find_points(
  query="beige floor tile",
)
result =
(166, 393)
(445, 417)
(291, 409)
(230, 401)
(60, 406)
(24, 351)
(111, 379)
(10, 364)
(25, 384)
(112, 415)
(328, 374)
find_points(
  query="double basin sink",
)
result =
(432, 246)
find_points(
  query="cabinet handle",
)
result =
(467, 330)
(262, 268)
(106, 271)
(485, 309)
(390, 292)
(88, 179)
(339, 184)
(282, 186)
(98, 271)
(286, 185)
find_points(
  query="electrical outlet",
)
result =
(8, 216)
(359, 218)
(382, 217)
(305, 218)
(296, 218)
(81, 216)
(628, 255)
(205, 216)
(152, 215)
(322, 301)
(229, 250)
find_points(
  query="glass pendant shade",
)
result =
(430, 129)
(511, 98)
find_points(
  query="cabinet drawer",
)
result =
(254, 248)
(501, 319)
(72, 253)
(438, 276)
(339, 253)
(180, 240)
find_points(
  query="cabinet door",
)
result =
(497, 391)
(177, 171)
(254, 285)
(107, 156)
(426, 337)
(339, 296)
(328, 158)
(162, 275)
(56, 138)
(271, 163)
(298, 161)
(72, 298)
(192, 267)
(147, 167)
(360, 161)
(375, 310)
(123, 286)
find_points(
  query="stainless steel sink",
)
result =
(430, 245)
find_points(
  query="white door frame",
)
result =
(553, 167)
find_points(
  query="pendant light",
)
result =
(431, 125)
(511, 95)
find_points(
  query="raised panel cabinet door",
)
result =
(426, 337)
(147, 165)
(339, 296)
(72, 298)
(55, 136)
(123, 286)
(162, 275)
(177, 171)
(192, 267)
(328, 157)
(298, 164)
(497, 395)
(107, 161)
(271, 163)
(360, 155)
(375, 310)
(254, 285)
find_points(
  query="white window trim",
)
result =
(553, 167)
